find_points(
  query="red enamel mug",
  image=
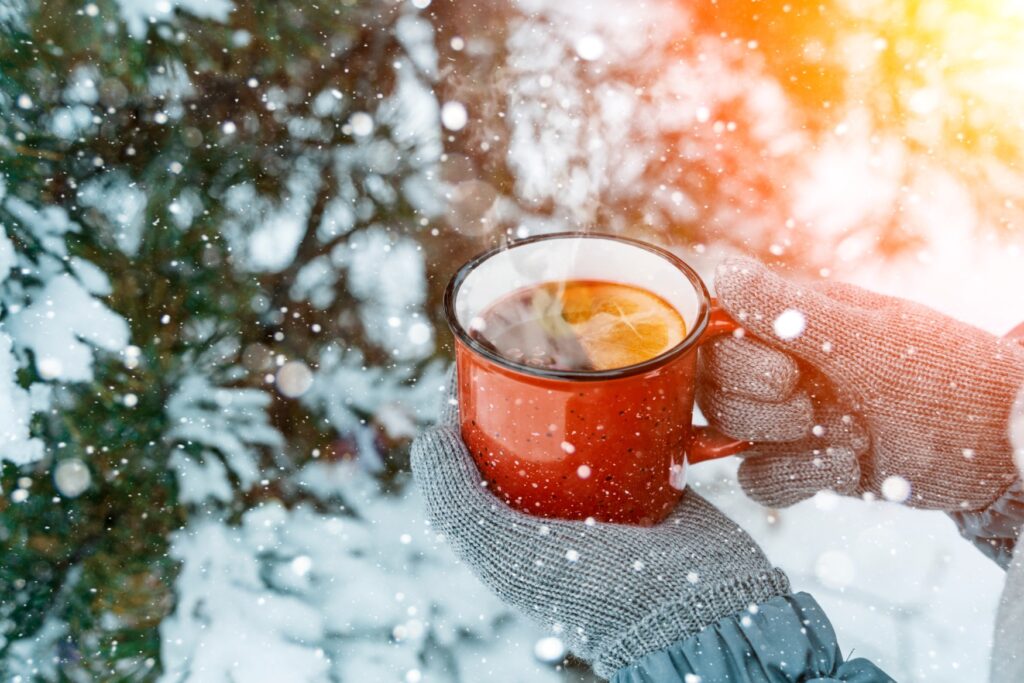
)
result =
(608, 444)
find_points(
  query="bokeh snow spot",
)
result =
(895, 489)
(789, 324)
(419, 333)
(590, 47)
(454, 115)
(825, 500)
(549, 650)
(361, 124)
(294, 378)
(834, 568)
(71, 477)
(301, 564)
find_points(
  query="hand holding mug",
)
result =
(853, 391)
(614, 592)
(585, 412)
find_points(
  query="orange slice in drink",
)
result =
(619, 325)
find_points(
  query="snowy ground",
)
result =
(900, 586)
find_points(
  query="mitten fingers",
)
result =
(752, 420)
(798, 318)
(749, 368)
(454, 492)
(777, 475)
(858, 296)
(526, 560)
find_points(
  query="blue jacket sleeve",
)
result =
(785, 640)
(994, 530)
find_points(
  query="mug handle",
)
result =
(707, 443)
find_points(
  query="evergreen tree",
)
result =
(213, 179)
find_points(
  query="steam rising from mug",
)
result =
(531, 263)
(610, 443)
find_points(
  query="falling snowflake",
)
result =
(71, 477)
(301, 564)
(454, 115)
(895, 489)
(789, 324)
(590, 47)
(549, 650)
(361, 123)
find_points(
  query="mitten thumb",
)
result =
(795, 318)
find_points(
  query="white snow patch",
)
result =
(16, 444)
(835, 569)
(138, 13)
(229, 425)
(62, 326)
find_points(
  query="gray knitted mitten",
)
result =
(613, 592)
(857, 392)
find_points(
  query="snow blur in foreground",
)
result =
(901, 587)
(369, 594)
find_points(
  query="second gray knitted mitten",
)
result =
(845, 389)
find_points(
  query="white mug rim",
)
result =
(690, 340)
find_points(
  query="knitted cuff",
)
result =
(995, 530)
(1017, 431)
(679, 620)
